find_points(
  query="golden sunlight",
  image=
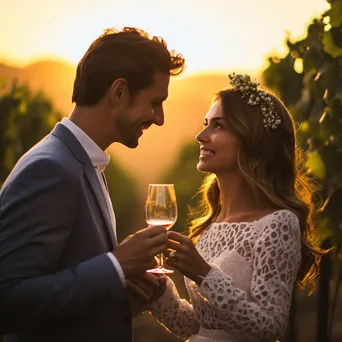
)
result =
(213, 36)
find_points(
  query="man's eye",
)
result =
(218, 125)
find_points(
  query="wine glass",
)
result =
(161, 210)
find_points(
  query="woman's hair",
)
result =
(273, 167)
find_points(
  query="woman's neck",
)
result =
(237, 199)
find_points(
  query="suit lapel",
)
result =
(101, 200)
(78, 151)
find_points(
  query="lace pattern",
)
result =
(175, 314)
(248, 291)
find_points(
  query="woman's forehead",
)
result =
(214, 111)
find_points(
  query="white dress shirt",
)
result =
(100, 160)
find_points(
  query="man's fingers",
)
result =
(147, 282)
(148, 264)
(158, 239)
(146, 288)
(138, 291)
(162, 279)
(158, 250)
(153, 231)
(150, 279)
(152, 263)
(126, 239)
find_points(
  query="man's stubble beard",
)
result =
(127, 133)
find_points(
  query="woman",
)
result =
(245, 253)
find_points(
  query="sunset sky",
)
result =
(212, 34)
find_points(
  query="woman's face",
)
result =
(219, 146)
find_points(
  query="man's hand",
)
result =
(136, 253)
(144, 289)
(147, 287)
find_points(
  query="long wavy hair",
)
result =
(273, 167)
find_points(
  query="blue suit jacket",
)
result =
(56, 281)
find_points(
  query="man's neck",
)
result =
(90, 121)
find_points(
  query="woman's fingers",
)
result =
(178, 237)
(174, 245)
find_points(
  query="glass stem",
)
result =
(161, 261)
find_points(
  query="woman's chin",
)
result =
(202, 168)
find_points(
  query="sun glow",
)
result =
(213, 35)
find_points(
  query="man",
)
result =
(62, 275)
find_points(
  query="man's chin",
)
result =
(132, 143)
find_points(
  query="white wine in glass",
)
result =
(161, 210)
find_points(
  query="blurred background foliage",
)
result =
(187, 181)
(25, 118)
(309, 79)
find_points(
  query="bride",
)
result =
(250, 246)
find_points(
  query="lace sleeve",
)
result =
(276, 260)
(174, 313)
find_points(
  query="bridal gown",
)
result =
(246, 295)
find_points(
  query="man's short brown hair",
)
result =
(129, 53)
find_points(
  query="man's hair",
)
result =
(129, 53)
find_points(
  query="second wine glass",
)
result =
(161, 210)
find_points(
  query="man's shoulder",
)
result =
(50, 147)
(50, 157)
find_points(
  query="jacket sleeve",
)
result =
(37, 206)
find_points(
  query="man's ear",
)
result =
(119, 90)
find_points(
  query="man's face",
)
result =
(144, 110)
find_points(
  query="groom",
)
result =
(63, 277)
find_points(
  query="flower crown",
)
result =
(254, 96)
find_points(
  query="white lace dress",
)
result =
(246, 296)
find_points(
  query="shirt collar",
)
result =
(98, 157)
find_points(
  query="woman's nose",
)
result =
(202, 136)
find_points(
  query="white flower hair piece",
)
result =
(254, 96)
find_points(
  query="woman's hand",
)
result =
(185, 257)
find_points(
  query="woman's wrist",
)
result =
(202, 274)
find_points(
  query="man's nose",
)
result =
(159, 117)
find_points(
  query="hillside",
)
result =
(188, 102)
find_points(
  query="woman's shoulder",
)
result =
(280, 216)
(255, 218)
(280, 223)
